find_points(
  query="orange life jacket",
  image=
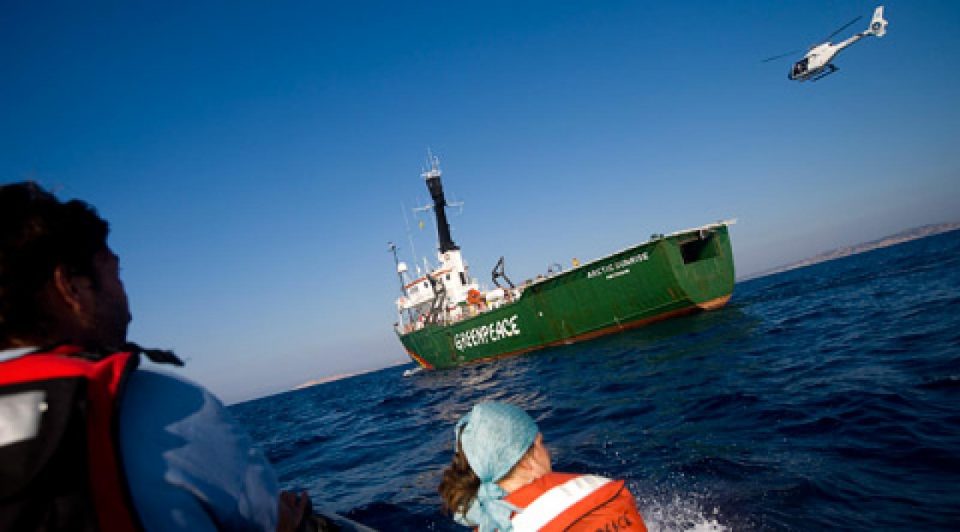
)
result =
(60, 466)
(567, 501)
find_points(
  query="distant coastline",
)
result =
(339, 376)
(890, 240)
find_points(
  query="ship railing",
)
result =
(449, 318)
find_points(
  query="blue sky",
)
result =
(254, 159)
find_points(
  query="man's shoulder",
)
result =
(184, 451)
(160, 380)
(158, 398)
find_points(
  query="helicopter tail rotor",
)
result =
(878, 24)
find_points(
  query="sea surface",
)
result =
(821, 398)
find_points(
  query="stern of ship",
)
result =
(702, 264)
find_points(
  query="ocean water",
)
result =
(821, 398)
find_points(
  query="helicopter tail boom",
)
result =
(878, 24)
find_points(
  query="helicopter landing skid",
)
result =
(829, 69)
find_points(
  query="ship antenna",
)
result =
(433, 221)
(455, 203)
(396, 262)
(406, 223)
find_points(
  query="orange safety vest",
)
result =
(568, 501)
(60, 465)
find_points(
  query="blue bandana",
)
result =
(495, 437)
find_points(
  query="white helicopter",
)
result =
(816, 63)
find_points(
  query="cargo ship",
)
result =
(446, 319)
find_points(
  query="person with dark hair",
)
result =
(88, 439)
(501, 479)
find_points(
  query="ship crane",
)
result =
(436, 309)
(499, 273)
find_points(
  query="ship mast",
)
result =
(432, 177)
(396, 261)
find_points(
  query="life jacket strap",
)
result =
(555, 500)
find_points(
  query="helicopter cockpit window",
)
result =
(800, 66)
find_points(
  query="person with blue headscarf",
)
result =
(501, 478)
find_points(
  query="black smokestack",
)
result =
(439, 206)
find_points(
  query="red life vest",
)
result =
(566, 501)
(60, 466)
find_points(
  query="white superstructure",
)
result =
(447, 293)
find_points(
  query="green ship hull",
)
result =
(666, 277)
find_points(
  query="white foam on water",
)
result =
(679, 514)
(412, 372)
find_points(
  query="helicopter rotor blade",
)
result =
(841, 28)
(792, 52)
